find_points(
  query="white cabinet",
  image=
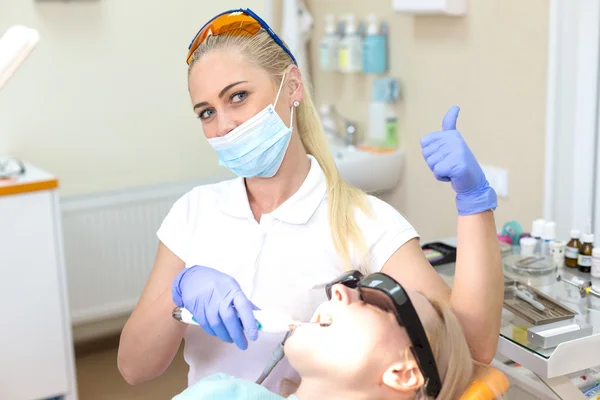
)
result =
(36, 347)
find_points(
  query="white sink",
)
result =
(367, 171)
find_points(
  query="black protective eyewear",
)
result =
(382, 291)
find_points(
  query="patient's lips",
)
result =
(325, 319)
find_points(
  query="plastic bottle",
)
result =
(527, 245)
(572, 249)
(537, 229)
(548, 235)
(383, 119)
(596, 262)
(351, 47)
(584, 261)
(375, 48)
(330, 45)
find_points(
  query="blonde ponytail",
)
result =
(343, 199)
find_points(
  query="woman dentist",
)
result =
(289, 223)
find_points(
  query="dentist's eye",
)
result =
(239, 97)
(203, 115)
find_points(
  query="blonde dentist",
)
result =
(289, 222)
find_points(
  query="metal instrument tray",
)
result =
(554, 311)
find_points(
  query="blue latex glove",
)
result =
(451, 160)
(217, 303)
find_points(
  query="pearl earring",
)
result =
(296, 103)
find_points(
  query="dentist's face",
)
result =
(226, 91)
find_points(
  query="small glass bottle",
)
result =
(584, 261)
(572, 249)
(596, 263)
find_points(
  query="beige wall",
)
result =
(492, 63)
(102, 102)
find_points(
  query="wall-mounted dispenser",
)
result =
(443, 7)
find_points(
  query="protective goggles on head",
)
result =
(237, 22)
(382, 291)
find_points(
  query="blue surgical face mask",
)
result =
(256, 147)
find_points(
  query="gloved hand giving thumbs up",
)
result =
(451, 160)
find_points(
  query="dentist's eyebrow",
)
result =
(225, 89)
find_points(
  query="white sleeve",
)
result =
(385, 233)
(176, 230)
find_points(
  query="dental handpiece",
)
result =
(267, 321)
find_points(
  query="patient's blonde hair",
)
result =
(451, 352)
(456, 367)
(262, 51)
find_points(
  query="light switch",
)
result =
(498, 179)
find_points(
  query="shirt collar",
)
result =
(298, 209)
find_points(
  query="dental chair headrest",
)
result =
(490, 386)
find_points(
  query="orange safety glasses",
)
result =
(240, 22)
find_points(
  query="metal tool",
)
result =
(529, 298)
(277, 356)
(583, 290)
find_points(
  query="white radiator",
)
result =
(110, 245)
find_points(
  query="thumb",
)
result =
(449, 122)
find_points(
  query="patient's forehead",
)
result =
(427, 314)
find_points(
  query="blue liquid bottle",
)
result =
(375, 57)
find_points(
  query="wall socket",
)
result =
(498, 179)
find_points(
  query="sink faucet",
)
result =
(350, 137)
(339, 129)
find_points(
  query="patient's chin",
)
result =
(302, 354)
(325, 362)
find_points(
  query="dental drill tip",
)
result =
(321, 324)
(176, 313)
(325, 323)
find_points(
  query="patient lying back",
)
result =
(363, 354)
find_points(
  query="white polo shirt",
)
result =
(277, 262)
